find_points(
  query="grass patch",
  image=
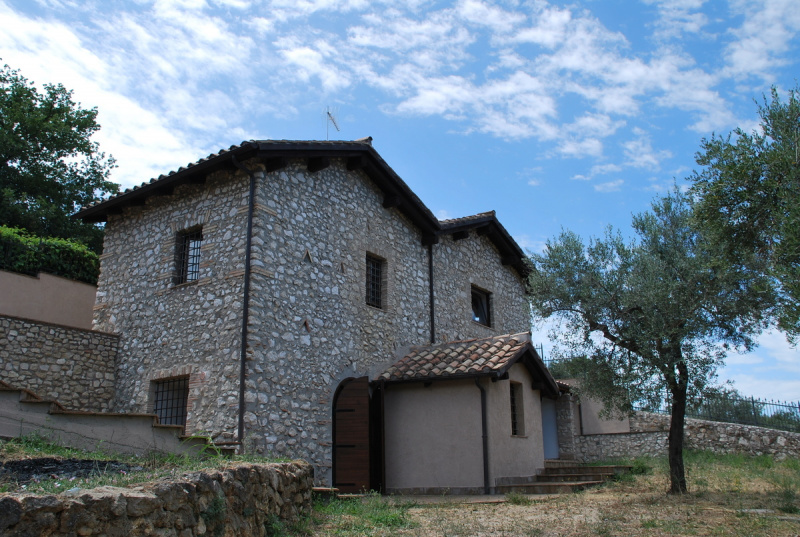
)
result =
(367, 515)
(516, 498)
(149, 468)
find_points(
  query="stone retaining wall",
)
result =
(240, 501)
(648, 436)
(74, 366)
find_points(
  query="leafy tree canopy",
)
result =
(49, 166)
(654, 315)
(749, 197)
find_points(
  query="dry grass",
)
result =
(722, 491)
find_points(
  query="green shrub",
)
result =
(27, 254)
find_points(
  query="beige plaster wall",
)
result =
(433, 436)
(47, 298)
(591, 422)
(514, 456)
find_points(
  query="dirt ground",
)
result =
(641, 508)
(23, 471)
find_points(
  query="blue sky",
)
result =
(556, 115)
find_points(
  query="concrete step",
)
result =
(23, 412)
(547, 487)
(574, 477)
(585, 468)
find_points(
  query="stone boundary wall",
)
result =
(648, 436)
(73, 366)
(240, 501)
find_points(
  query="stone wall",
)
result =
(458, 265)
(167, 330)
(73, 366)
(240, 501)
(648, 436)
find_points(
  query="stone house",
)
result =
(298, 299)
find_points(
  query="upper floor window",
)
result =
(481, 306)
(375, 281)
(187, 255)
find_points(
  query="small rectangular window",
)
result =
(376, 275)
(170, 400)
(187, 255)
(517, 423)
(481, 304)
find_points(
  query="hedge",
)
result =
(28, 254)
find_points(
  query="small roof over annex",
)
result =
(488, 357)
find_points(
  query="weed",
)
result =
(788, 486)
(516, 498)
(364, 516)
(274, 527)
(215, 515)
(641, 466)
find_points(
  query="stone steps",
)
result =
(561, 477)
(23, 412)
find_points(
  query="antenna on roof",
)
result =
(330, 117)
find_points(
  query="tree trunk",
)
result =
(677, 473)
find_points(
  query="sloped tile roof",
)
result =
(373, 165)
(467, 220)
(469, 358)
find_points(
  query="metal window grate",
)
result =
(188, 255)
(171, 399)
(514, 414)
(375, 281)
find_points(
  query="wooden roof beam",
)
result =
(316, 164)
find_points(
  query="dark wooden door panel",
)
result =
(351, 449)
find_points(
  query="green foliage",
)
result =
(364, 516)
(641, 467)
(27, 254)
(516, 498)
(653, 315)
(748, 193)
(49, 166)
(215, 515)
(728, 405)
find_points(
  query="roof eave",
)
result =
(396, 192)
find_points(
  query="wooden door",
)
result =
(351, 436)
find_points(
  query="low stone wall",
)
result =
(648, 436)
(240, 501)
(74, 366)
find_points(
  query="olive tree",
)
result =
(654, 315)
(749, 197)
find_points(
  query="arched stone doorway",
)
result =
(357, 438)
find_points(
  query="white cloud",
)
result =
(763, 41)
(678, 17)
(639, 152)
(611, 186)
(530, 245)
(481, 13)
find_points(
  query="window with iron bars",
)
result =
(376, 276)
(170, 400)
(187, 255)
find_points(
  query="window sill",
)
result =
(523, 436)
(185, 284)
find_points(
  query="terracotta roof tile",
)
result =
(472, 357)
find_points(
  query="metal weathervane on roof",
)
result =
(330, 117)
